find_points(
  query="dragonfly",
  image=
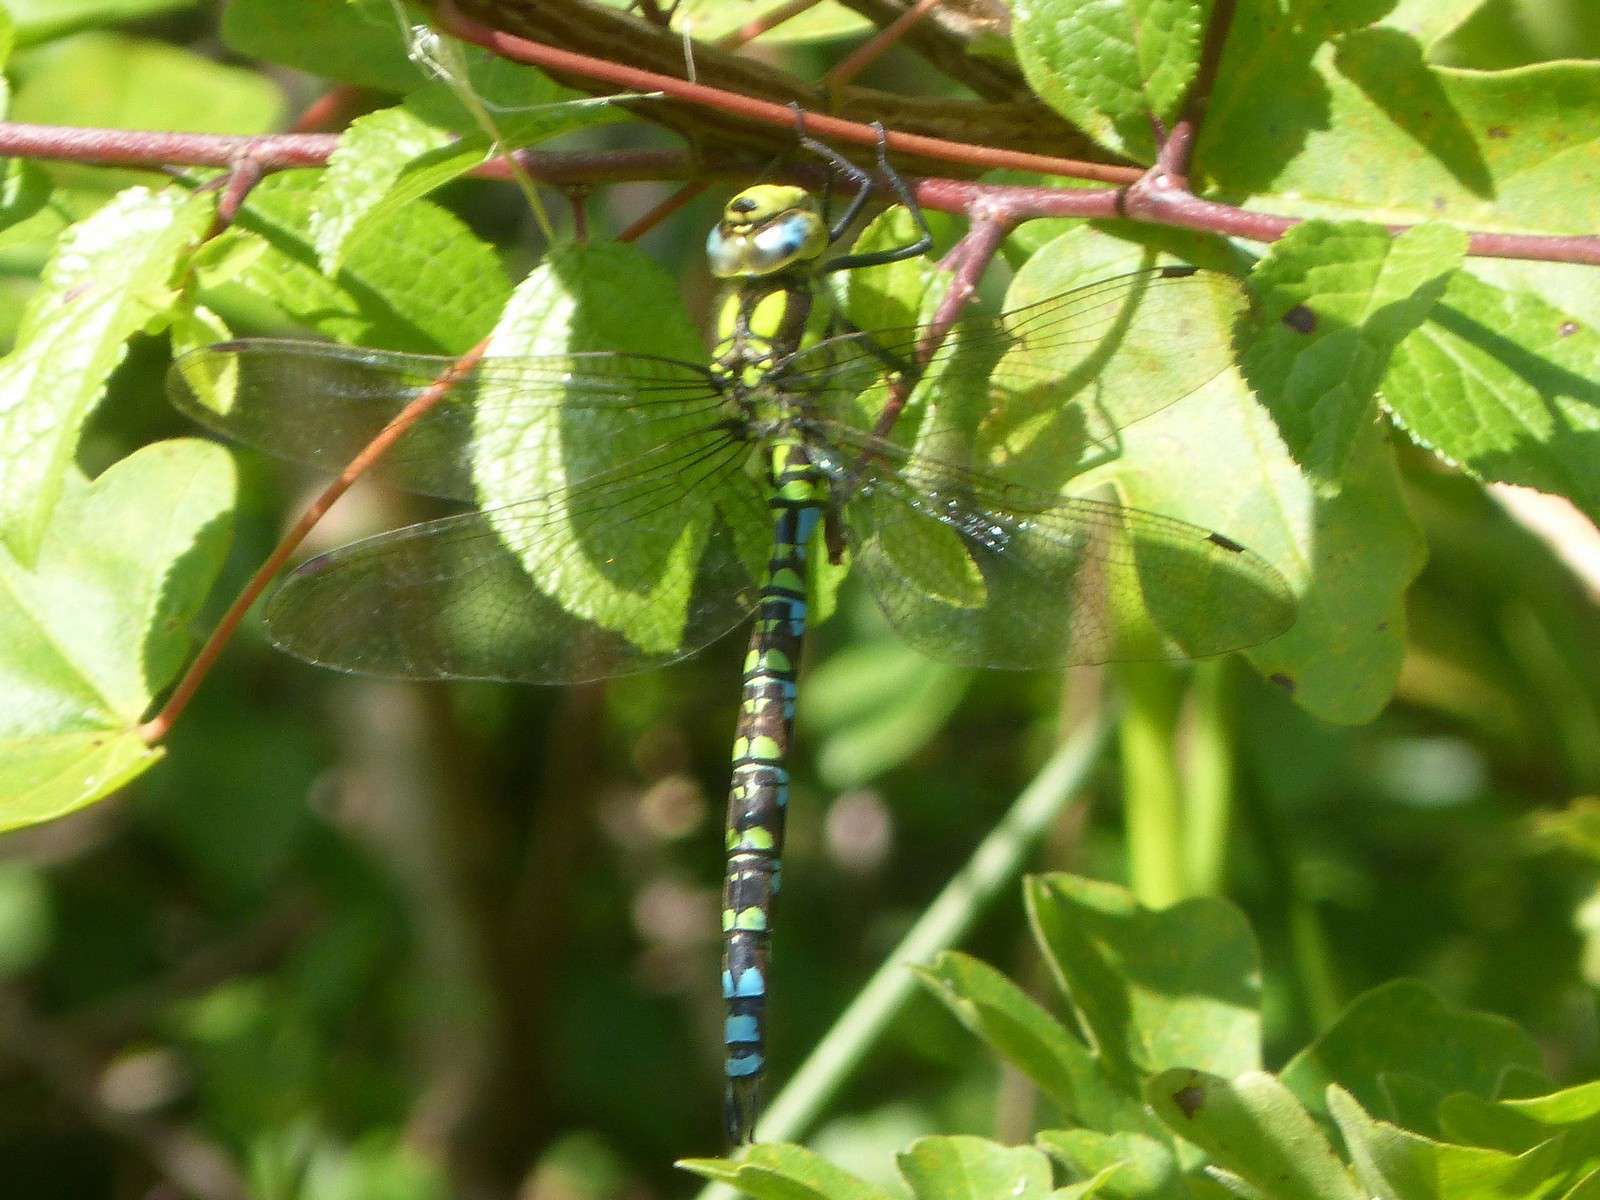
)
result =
(675, 499)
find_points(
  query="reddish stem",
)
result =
(663, 210)
(863, 56)
(751, 30)
(832, 129)
(158, 726)
(330, 110)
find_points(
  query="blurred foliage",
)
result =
(373, 941)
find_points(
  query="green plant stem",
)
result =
(1208, 791)
(1152, 799)
(992, 865)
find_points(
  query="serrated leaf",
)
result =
(1254, 1127)
(1395, 1164)
(1178, 987)
(1216, 459)
(98, 624)
(1405, 1026)
(354, 41)
(392, 157)
(1121, 1166)
(636, 576)
(1035, 1043)
(971, 1168)
(775, 1171)
(1504, 384)
(110, 276)
(1335, 302)
(421, 281)
(1360, 127)
(1110, 66)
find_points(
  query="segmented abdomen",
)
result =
(759, 794)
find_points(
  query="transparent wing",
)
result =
(319, 403)
(1130, 344)
(453, 599)
(975, 571)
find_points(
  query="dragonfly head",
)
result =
(764, 230)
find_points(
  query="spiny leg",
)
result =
(865, 185)
(759, 794)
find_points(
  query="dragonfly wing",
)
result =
(456, 599)
(319, 403)
(1092, 359)
(981, 573)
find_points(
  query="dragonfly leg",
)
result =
(866, 184)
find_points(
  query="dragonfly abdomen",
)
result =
(759, 795)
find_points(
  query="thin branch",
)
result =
(752, 29)
(1152, 199)
(158, 726)
(870, 51)
(287, 151)
(946, 42)
(766, 112)
(662, 211)
(144, 148)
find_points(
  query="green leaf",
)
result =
(1216, 459)
(711, 20)
(1504, 384)
(1179, 987)
(24, 191)
(97, 625)
(970, 1168)
(1403, 1026)
(1122, 1166)
(1395, 1164)
(420, 281)
(120, 82)
(635, 576)
(1052, 411)
(1360, 128)
(1501, 34)
(391, 157)
(1429, 20)
(1515, 1126)
(1336, 300)
(1110, 66)
(353, 41)
(40, 20)
(1030, 1039)
(111, 276)
(1254, 1127)
(8, 39)
(888, 295)
(776, 1171)
(873, 705)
